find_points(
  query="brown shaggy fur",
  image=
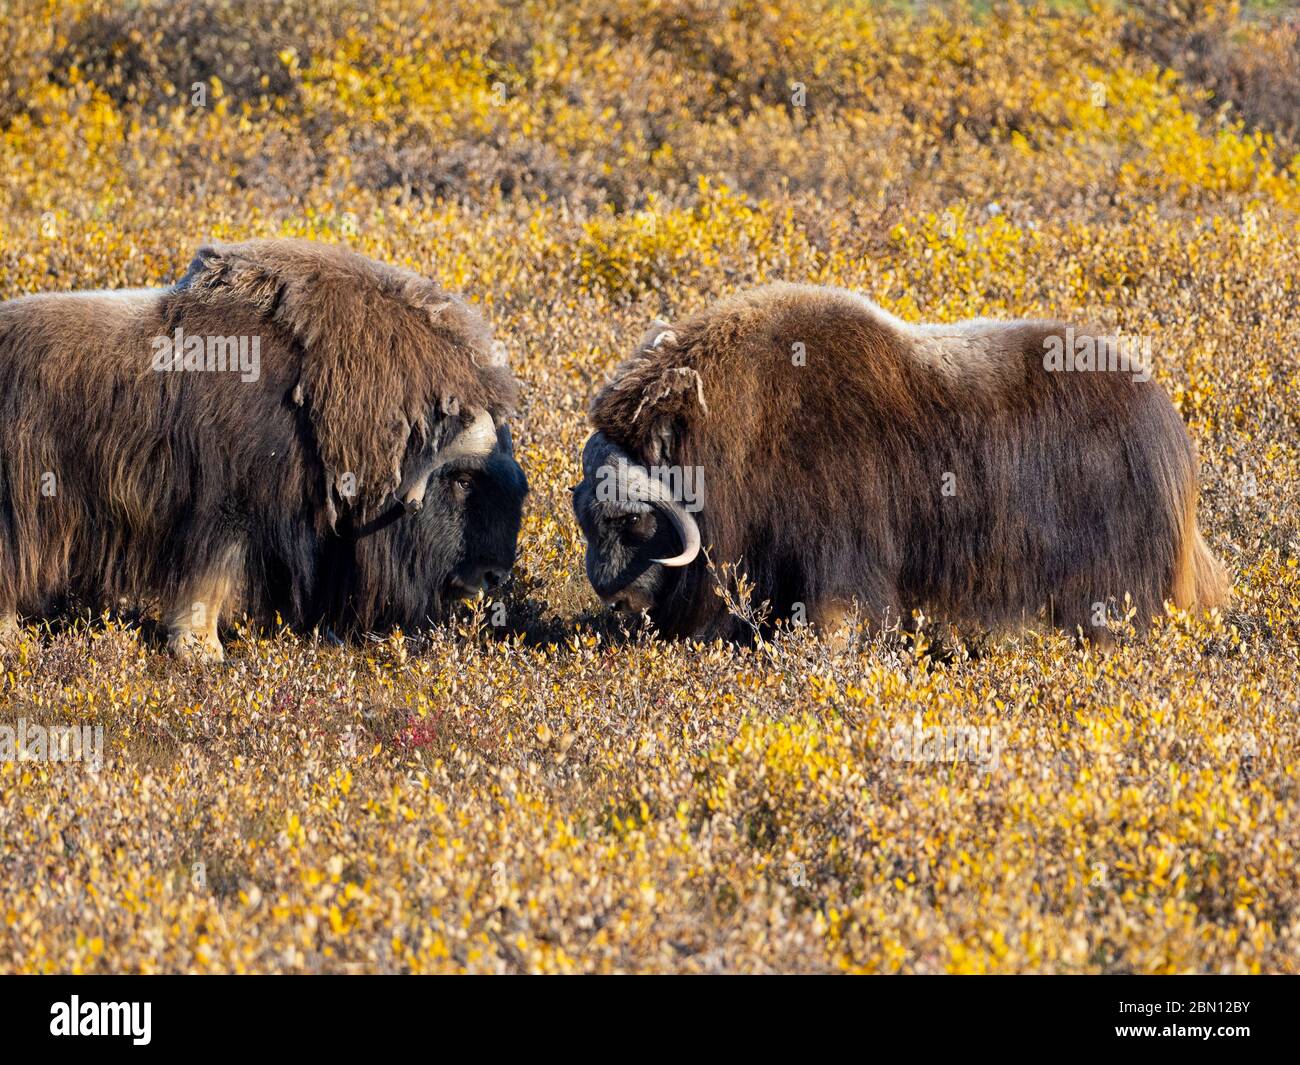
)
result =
(200, 492)
(824, 481)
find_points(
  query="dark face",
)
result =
(623, 540)
(479, 505)
(460, 543)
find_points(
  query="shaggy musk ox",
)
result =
(849, 460)
(291, 429)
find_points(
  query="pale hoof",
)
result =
(191, 647)
(10, 631)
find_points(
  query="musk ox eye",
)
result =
(635, 525)
(461, 484)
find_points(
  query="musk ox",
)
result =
(848, 461)
(290, 430)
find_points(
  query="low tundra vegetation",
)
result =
(537, 786)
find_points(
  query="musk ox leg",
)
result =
(192, 620)
(835, 618)
(833, 621)
(192, 630)
(1085, 617)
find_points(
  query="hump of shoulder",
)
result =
(84, 318)
(317, 288)
(789, 311)
(981, 352)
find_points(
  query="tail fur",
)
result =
(1200, 581)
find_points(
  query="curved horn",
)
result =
(683, 521)
(476, 440)
(635, 483)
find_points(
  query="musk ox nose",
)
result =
(629, 601)
(486, 579)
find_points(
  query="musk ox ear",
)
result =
(654, 395)
(659, 333)
(386, 360)
(215, 271)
